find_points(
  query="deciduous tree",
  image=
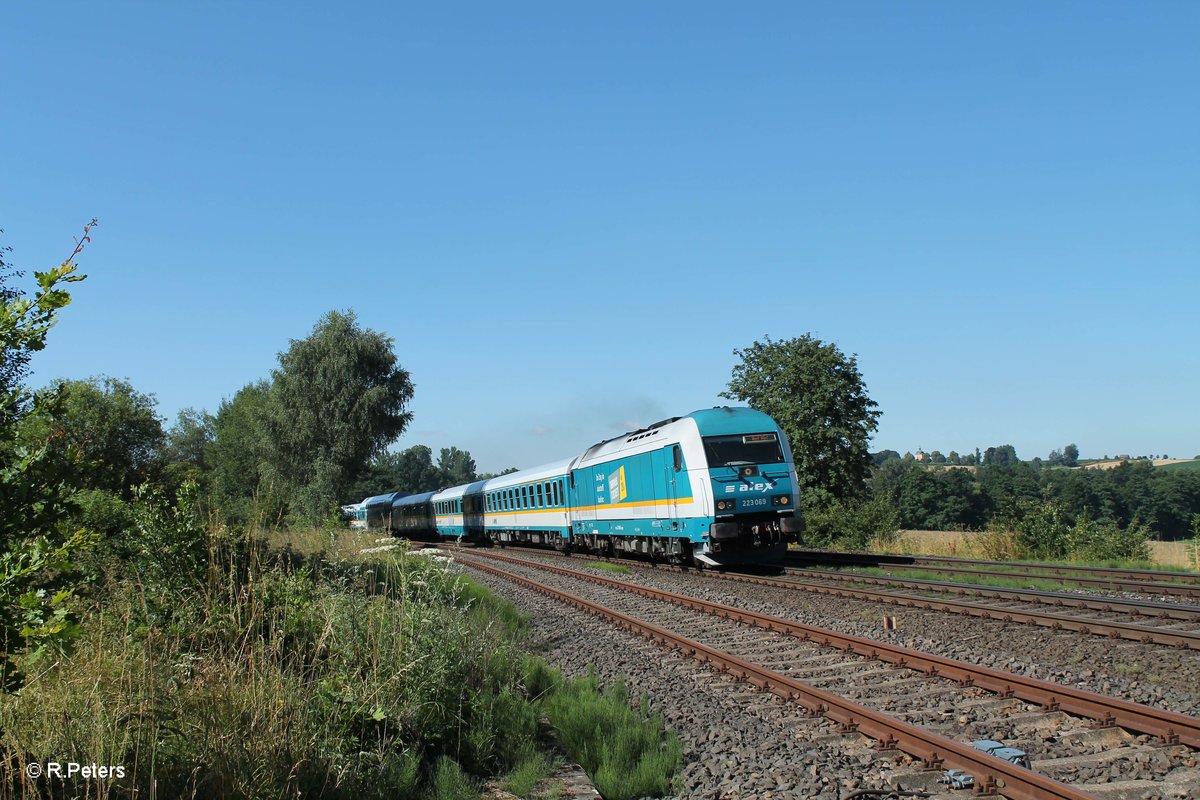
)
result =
(456, 466)
(1070, 455)
(817, 395)
(338, 398)
(1002, 456)
(112, 426)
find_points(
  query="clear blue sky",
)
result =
(568, 215)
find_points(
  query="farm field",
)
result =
(1179, 465)
(965, 544)
(1161, 463)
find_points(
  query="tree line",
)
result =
(1133, 493)
(288, 449)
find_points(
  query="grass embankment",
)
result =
(604, 565)
(290, 674)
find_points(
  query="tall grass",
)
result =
(624, 751)
(227, 664)
(279, 676)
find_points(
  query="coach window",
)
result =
(524, 498)
(540, 496)
(508, 499)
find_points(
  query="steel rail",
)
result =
(933, 749)
(918, 563)
(1167, 726)
(1063, 569)
(1145, 608)
(1113, 630)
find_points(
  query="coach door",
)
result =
(665, 485)
(582, 497)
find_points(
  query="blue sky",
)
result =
(569, 215)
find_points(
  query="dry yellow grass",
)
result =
(998, 546)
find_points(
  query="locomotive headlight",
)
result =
(783, 500)
(725, 505)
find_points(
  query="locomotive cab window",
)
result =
(677, 456)
(754, 448)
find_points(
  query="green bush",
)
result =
(852, 524)
(1043, 530)
(1099, 540)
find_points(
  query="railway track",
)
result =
(1189, 615)
(1145, 581)
(1169, 616)
(1176, 625)
(870, 686)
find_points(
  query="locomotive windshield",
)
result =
(752, 448)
